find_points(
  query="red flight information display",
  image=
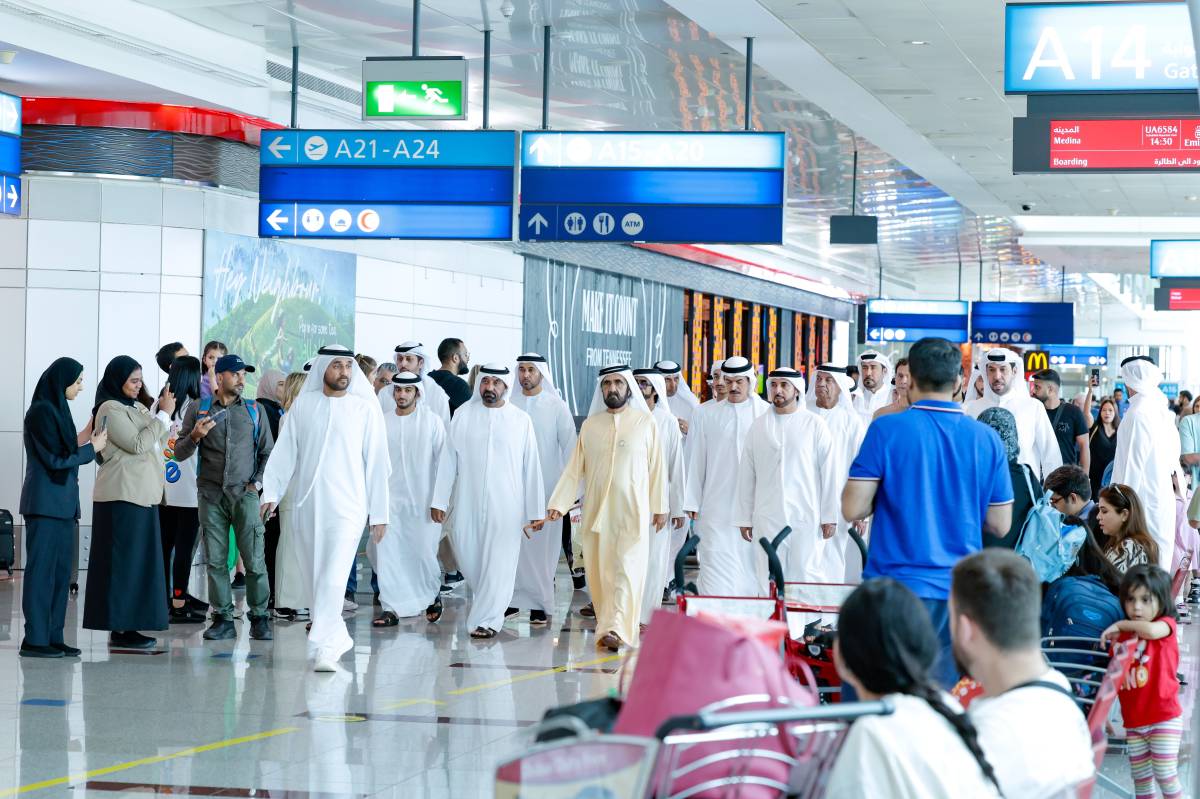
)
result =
(1183, 300)
(1146, 144)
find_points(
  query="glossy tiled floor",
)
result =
(419, 710)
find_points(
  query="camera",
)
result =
(1026, 206)
(507, 8)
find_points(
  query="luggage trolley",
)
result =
(689, 601)
(594, 764)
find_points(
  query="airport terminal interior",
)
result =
(324, 322)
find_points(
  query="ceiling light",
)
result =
(917, 42)
(970, 99)
(7, 56)
(1192, 198)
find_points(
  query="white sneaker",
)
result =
(349, 606)
(325, 666)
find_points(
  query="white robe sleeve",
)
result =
(377, 467)
(676, 474)
(535, 488)
(657, 473)
(826, 456)
(697, 456)
(281, 463)
(565, 433)
(747, 483)
(1121, 458)
(446, 473)
(437, 449)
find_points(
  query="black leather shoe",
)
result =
(260, 628)
(68, 651)
(131, 640)
(221, 630)
(34, 651)
(186, 615)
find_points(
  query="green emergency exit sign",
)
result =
(414, 99)
(414, 88)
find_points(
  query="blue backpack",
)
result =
(1081, 607)
(1045, 541)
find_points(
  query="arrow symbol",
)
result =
(538, 223)
(979, 337)
(539, 147)
(12, 195)
(277, 220)
(277, 146)
(10, 115)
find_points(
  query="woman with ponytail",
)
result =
(927, 748)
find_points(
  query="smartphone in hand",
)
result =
(1095, 377)
(103, 424)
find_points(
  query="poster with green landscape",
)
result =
(274, 303)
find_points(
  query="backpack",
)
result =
(251, 408)
(1080, 607)
(1045, 541)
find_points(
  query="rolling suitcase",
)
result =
(8, 547)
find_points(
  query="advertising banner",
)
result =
(583, 320)
(275, 304)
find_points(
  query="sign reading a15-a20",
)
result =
(1098, 47)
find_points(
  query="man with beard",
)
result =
(620, 461)
(680, 399)
(555, 430)
(829, 398)
(1004, 387)
(652, 383)
(456, 362)
(332, 462)
(406, 558)
(490, 467)
(875, 391)
(715, 441)
(785, 479)
(900, 385)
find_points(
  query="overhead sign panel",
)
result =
(1022, 323)
(652, 187)
(1098, 47)
(909, 320)
(414, 88)
(10, 155)
(1085, 351)
(1120, 144)
(1175, 258)
(387, 184)
(1177, 299)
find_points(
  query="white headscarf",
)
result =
(1018, 366)
(655, 376)
(737, 366)
(360, 386)
(636, 400)
(684, 391)
(409, 379)
(415, 348)
(547, 379)
(1143, 376)
(789, 374)
(500, 370)
(844, 381)
(969, 392)
(883, 396)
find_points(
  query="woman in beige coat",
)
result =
(125, 584)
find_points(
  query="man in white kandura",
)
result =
(411, 356)
(555, 430)
(719, 386)
(406, 559)
(728, 566)
(875, 392)
(1148, 450)
(491, 468)
(785, 480)
(620, 462)
(331, 460)
(653, 387)
(829, 398)
(1004, 386)
(680, 399)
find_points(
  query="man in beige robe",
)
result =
(619, 460)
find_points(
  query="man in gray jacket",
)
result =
(233, 443)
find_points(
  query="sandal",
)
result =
(434, 611)
(483, 633)
(588, 611)
(308, 627)
(386, 619)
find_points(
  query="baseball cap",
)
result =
(231, 363)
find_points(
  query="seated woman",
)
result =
(1127, 541)
(927, 748)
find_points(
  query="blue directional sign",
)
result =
(10, 154)
(387, 184)
(910, 320)
(652, 187)
(1022, 323)
(1084, 352)
(1090, 47)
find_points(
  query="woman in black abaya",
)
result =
(125, 583)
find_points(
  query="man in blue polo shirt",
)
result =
(935, 481)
